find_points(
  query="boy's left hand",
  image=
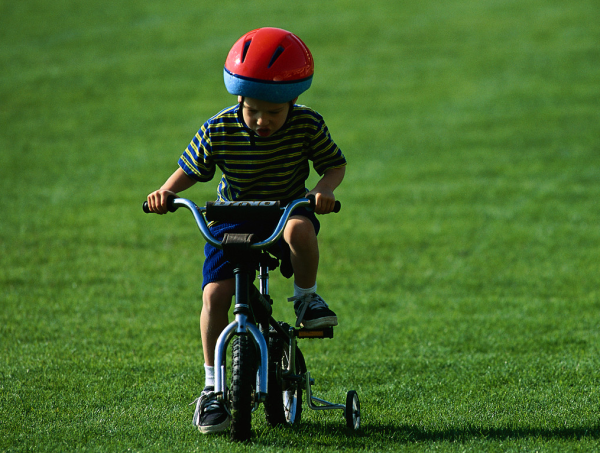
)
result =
(323, 191)
(324, 201)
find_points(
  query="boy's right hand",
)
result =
(157, 201)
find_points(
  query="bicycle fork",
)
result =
(241, 326)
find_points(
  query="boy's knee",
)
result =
(218, 294)
(299, 230)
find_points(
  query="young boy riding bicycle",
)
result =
(262, 146)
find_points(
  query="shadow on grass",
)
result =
(326, 433)
(414, 434)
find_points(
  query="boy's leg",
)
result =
(300, 235)
(311, 309)
(216, 302)
(210, 415)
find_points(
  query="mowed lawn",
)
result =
(463, 267)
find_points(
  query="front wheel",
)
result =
(243, 383)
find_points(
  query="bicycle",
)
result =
(267, 364)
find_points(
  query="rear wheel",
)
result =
(243, 383)
(284, 401)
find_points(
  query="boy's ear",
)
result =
(240, 99)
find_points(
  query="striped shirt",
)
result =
(257, 168)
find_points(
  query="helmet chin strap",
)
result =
(251, 133)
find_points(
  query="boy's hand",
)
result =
(324, 201)
(177, 182)
(323, 191)
(157, 201)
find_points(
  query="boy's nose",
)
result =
(261, 120)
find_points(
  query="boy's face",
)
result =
(263, 117)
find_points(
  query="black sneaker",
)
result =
(210, 415)
(312, 312)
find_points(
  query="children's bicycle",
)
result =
(267, 365)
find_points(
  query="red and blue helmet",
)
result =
(269, 64)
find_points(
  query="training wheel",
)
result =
(352, 410)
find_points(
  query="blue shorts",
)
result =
(217, 268)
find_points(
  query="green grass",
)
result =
(463, 267)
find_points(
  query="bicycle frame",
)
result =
(241, 326)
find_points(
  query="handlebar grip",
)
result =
(170, 206)
(336, 208)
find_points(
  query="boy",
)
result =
(262, 145)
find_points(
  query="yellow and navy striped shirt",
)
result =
(257, 168)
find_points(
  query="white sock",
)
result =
(209, 376)
(304, 291)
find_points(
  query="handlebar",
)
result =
(237, 210)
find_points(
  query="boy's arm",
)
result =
(177, 182)
(323, 191)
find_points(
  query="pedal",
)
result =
(327, 332)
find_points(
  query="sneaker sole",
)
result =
(320, 323)
(214, 428)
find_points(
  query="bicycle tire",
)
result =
(284, 400)
(243, 383)
(352, 411)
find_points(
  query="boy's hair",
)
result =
(270, 64)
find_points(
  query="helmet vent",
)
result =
(246, 47)
(276, 55)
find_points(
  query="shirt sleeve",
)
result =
(196, 161)
(325, 154)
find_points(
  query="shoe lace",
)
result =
(207, 399)
(306, 301)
